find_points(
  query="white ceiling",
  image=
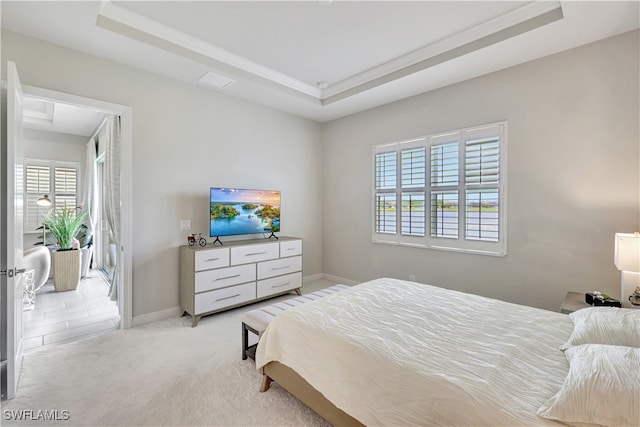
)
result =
(57, 117)
(369, 52)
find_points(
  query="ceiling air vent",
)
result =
(215, 80)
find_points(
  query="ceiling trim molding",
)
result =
(438, 54)
(503, 27)
(136, 26)
(133, 25)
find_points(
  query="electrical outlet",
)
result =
(412, 277)
(185, 224)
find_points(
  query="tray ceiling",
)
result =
(320, 59)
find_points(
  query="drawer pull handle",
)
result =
(227, 277)
(232, 296)
(280, 268)
(281, 285)
(213, 259)
(255, 253)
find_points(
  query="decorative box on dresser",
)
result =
(217, 278)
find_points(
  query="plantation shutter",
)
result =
(445, 171)
(66, 188)
(413, 173)
(413, 168)
(58, 180)
(37, 184)
(482, 173)
(385, 213)
(386, 170)
(444, 164)
(482, 161)
(444, 191)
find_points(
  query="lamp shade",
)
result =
(44, 201)
(627, 252)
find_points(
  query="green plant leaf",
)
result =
(65, 226)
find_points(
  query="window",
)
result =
(57, 179)
(386, 166)
(444, 191)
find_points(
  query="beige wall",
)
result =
(572, 183)
(186, 139)
(573, 168)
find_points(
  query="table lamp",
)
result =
(627, 260)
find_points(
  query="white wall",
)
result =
(45, 145)
(186, 139)
(54, 146)
(573, 176)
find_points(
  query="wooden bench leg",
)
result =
(298, 291)
(245, 341)
(266, 383)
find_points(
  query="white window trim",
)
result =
(52, 164)
(461, 244)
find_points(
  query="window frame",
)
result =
(30, 205)
(461, 243)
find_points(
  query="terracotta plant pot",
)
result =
(66, 270)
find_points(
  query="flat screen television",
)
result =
(235, 211)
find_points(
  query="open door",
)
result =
(12, 246)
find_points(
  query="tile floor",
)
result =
(60, 317)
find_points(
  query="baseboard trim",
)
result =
(143, 319)
(312, 278)
(339, 279)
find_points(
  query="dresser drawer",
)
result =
(278, 267)
(254, 253)
(279, 284)
(290, 248)
(211, 258)
(221, 298)
(223, 277)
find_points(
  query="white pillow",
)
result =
(605, 325)
(602, 387)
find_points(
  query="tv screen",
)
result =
(234, 211)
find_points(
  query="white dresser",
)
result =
(217, 278)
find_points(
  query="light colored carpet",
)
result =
(164, 373)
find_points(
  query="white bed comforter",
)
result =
(391, 352)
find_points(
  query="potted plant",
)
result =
(67, 259)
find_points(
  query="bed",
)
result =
(392, 352)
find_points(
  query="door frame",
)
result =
(125, 286)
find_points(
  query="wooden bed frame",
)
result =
(300, 388)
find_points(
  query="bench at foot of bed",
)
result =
(257, 320)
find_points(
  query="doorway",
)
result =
(60, 144)
(121, 276)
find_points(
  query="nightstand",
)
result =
(572, 302)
